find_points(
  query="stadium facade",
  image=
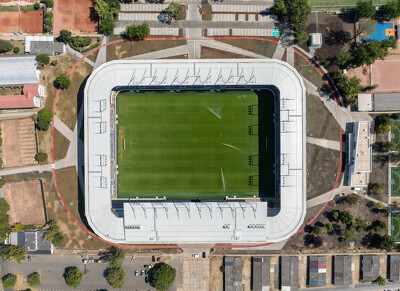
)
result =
(160, 221)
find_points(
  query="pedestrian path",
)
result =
(77, 55)
(102, 55)
(329, 144)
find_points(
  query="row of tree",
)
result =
(365, 9)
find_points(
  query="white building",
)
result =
(190, 222)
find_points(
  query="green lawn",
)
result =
(395, 181)
(189, 145)
(331, 4)
(395, 133)
(396, 226)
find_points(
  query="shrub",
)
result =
(222, 269)
(279, 9)
(379, 226)
(16, 50)
(34, 279)
(36, 5)
(2, 183)
(380, 281)
(62, 82)
(65, 36)
(44, 59)
(116, 277)
(386, 243)
(360, 224)
(54, 235)
(137, 31)
(41, 157)
(44, 118)
(346, 217)
(352, 199)
(5, 46)
(107, 25)
(317, 230)
(48, 3)
(48, 28)
(48, 21)
(349, 233)
(175, 10)
(73, 277)
(329, 227)
(98, 39)
(9, 281)
(376, 188)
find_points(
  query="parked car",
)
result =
(204, 255)
(136, 273)
(142, 273)
(146, 271)
(195, 255)
(153, 258)
(146, 279)
(29, 258)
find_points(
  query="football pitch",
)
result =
(395, 133)
(333, 4)
(395, 176)
(195, 145)
(395, 219)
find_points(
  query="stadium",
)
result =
(195, 151)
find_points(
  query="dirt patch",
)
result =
(337, 34)
(308, 71)
(257, 46)
(380, 174)
(320, 122)
(69, 100)
(134, 48)
(19, 142)
(322, 167)
(20, 285)
(216, 276)
(246, 273)
(28, 22)
(75, 15)
(20, 45)
(44, 143)
(23, 196)
(331, 241)
(210, 53)
(379, 74)
(75, 237)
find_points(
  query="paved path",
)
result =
(329, 144)
(77, 55)
(229, 48)
(165, 53)
(61, 127)
(18, 114)
(36, 168)
(102, 55)
(201, 24)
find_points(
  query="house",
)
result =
(370, 267)
(261, 275)
(233, 273)
(18, 71)
(317, 270)
(42, 44)
(342, 270)
(290, 273)
(31, 98)
(33, 241)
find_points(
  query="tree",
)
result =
(391, 9)
(349, 233)
(5, 46)
(65, 36)
(48, 3)
(383, 128)
(102, 9)
(343, 59)
(368, 51)
(115, 256)
(107, 25)
(365, 9)
(317, 230)
(73, 277)
(349, 88)
(41, 157)
(44, 118)
(13, 253)
(163, 277)
(9, 281)
(34, 279)
(360, 225)
(48, 21)
(116, 277)
(351, 199)
(379, 225)
(329, 227)
(299, 10)
(2, 183)
(334, 215)
(386, 243)
(389, 146)
(54, 235)
(44, 59)
(175, 10)
(137, 31)
(376, 188)
(62, 82)
(380, 281)
(16, 50)
(346, 217)
(279, 9)
(36, 6)
(4, 206)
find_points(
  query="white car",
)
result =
(195, 255)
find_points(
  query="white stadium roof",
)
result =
(191, 222)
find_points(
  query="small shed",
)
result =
(342, 270)
(289, 273)
(315, 39)
(260, 274)
(317, 270)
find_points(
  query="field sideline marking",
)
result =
(299, 53)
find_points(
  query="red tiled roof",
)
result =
(21, 101)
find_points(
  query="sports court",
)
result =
(395, 177)
(27, 21)
(329, 4)
(375, 31)
(192, 145)
(76, 15)
(395, 221)
(388, 82)
(395, 133)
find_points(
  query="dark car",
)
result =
(153, 259)
(146, 271)
(204, 255)
(29, 258)
(146, 279)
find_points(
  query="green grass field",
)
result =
(395, 133)
(188, 145)
(334, 4)
(396, 226)
(395, 174)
